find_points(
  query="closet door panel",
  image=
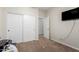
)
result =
(29, 28)
(14, 27)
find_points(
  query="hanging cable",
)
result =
(71, 30)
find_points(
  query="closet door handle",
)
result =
(8, 30)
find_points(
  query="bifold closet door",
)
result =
(29, 28)
(14, 27)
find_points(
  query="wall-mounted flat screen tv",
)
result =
(72, 14)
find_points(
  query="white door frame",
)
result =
(49, 24)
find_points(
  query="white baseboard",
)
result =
(63, 43)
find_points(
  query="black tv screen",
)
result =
(72, 14)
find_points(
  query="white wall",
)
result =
(60, 29)
(17, 10)
(42, 13)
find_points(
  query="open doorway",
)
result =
(43, 27)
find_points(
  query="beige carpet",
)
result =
(43, 45)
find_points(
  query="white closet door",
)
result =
(29, 28)
(14, 27)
